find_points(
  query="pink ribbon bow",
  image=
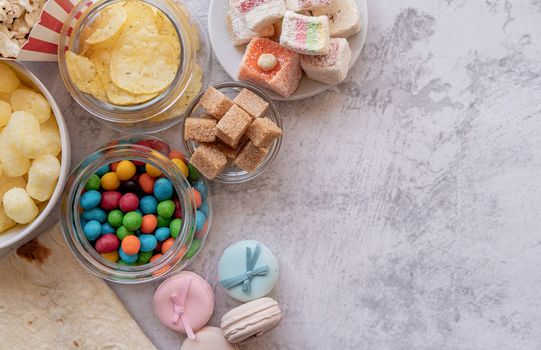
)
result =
(179, 302)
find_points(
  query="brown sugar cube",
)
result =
(233, 125)
(263, 132)
(216, 103)
(209, 161)
(250, 157)
(229, 152)
(200, 130)
(251, 103)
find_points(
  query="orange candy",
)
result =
(176, 154)
(167, 244)
(147, 183)
(156, 257)
(197, 197)
(131, 245)
(149, 223)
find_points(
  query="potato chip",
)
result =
(42, 177)
(8, 79)
(19, 206)
(5, 113)
(108, 24)
(139, 13)
(13, 163)
(83, 73)
(193, 88)
(115, 94)
(31, 101)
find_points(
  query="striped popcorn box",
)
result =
(42, 44)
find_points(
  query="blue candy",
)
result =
(148, 205)
(205, 208)
(129, 259)
(199, 220)
(92, 230)
(202, 189)
(162, 233)
(163, 189)
(103, 170)
(107, 228)
(90, 199)
(97, 214)
(148, 243)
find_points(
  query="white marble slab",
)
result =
(405, 204)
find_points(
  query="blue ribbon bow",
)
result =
(246, 277)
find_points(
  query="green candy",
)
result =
(193, 173)
(174, 227)
(144, 257)
(163, 222)
(94, 183)
(194, 247)
(166, 209)
(122, 232)
(132, 220)
(114, 218)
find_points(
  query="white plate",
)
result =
(230, 56)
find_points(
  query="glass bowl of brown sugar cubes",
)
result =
(232, 132)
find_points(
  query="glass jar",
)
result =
(233, 174)
(148, 150)
(166, 109)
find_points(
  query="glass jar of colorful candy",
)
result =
(135, 210)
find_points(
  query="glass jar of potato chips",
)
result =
(135, 64)
(140, 150)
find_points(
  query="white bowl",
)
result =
(21, 234)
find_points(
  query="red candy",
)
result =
(110, 200)
(178, 208)
(107, 243)
(159, 146)
(147, 183)
(129, 202)
(113, 166)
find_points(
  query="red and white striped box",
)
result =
(42, 44)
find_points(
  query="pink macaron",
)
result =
(184, 303)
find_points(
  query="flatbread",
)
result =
(48, 301)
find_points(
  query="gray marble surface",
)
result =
(405, 204)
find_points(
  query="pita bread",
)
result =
(47, 301)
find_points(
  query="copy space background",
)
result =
(405, 204)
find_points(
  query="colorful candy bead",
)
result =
(125, 170)
(92, 230)
(163, 189)
(148, 205)
(90, 199)
(162, 233)
(131, 214)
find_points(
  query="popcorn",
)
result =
(5, 113)
(13, 163)
(19, 206)
(42, 177)
(24, 135)
(31, 101)
(17, 18)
